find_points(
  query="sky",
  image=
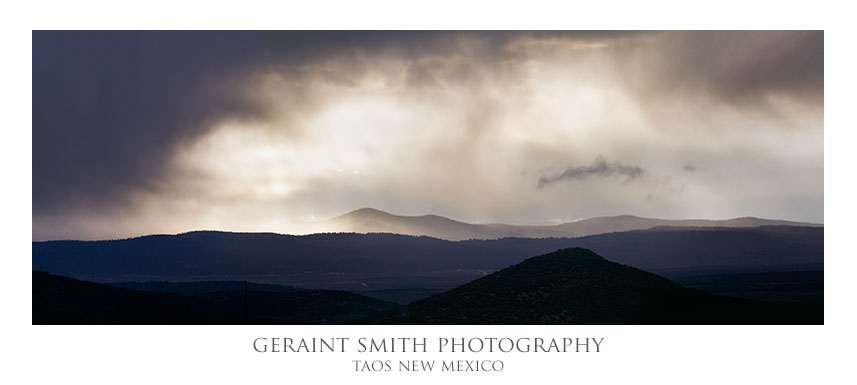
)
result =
(143, 132)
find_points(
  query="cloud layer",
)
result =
(144, 132)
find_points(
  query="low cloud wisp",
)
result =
(599, 168)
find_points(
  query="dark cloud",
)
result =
(736, 67)
(598, 169)
(109, 106)
(300, 47)
(743, 68)
(689, 168)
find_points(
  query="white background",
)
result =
(630, 354)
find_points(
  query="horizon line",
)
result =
(793, 223)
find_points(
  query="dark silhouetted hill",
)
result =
(576, 286)
(61, 300)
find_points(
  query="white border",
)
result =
(664, 355)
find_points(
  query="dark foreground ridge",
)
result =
(576, 286)
(61, 300)
(569, 286)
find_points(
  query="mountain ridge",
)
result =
(370, 220)
(392, 261)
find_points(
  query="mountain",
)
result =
(387, 261)
(577, 286)
(60, 300)
(368, 220)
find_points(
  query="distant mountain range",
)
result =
(369, 263)
(576, 286)
(388, 261)
(369, 220)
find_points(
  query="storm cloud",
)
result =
(163, 131)
(110, 107)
